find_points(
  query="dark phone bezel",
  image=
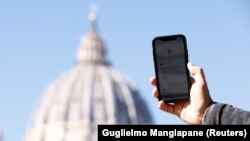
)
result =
(169, 38)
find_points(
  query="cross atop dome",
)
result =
(93, 14)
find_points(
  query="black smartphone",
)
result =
(170, 60)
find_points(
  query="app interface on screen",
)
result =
(171, 67)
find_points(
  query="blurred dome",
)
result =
(90, 93)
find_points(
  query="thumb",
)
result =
(197, 73)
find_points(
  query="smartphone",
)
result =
(170, 61)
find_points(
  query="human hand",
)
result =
(193, 110)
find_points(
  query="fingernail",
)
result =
(191, 64)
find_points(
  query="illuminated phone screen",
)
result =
(171, 68)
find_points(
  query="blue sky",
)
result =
(39, 40)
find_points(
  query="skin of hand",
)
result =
(191, 111)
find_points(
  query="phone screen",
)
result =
(170, 57)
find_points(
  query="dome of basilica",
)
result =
(92, 92)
